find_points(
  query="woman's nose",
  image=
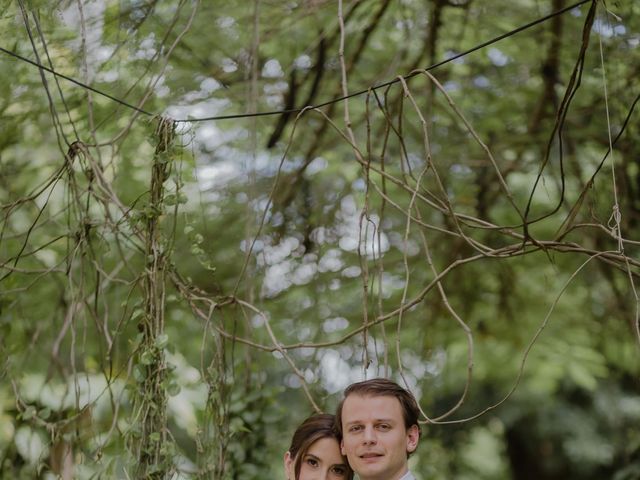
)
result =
(324, 475)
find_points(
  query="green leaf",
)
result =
(29, 413)
(139, 373)
(170, 199)
(173, 388)
(44, 413)
(147, 357)
(161, 341)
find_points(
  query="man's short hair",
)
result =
(378, 387)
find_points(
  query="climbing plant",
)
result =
(216, 215)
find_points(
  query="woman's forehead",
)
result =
(326, 449)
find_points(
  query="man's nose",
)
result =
(369, 435)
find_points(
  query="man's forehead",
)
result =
(383, 406)
(371, 396)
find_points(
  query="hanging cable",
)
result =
(298, 110)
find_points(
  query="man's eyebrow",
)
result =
(376, 420)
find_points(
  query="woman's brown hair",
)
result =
(314, 428)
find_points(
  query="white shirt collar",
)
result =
(407, 476)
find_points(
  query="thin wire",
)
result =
(298, 110)
(77, 82)
(396, 80)
(616, 215)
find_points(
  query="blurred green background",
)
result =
(173, 302)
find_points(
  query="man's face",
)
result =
(375, 440)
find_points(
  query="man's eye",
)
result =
(384, 426)
(355, 428)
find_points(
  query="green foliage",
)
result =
(158, 284)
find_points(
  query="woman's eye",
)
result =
(340, 471)
(312, 462)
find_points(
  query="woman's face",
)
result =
(322, 461)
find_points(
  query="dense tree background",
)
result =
(178, 292)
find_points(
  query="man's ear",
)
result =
(413, 435)
(288, 465)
